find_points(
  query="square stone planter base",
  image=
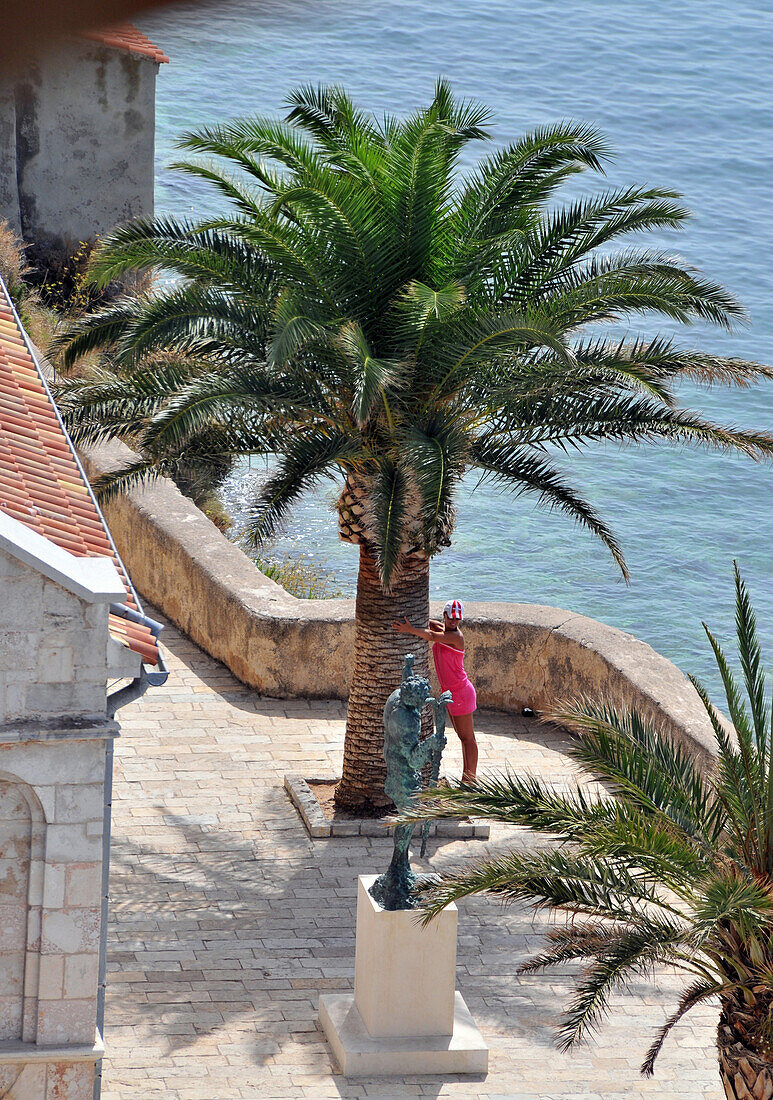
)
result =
(359, 1055)
(321, 827)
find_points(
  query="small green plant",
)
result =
(65, 286)
(214, 509)
(300, 576)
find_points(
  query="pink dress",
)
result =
(449, 665)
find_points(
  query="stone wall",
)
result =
(15, 858)
(51, 820)
(54, 738)
(517, 653)
(53, 648)
(80, 124)
(9, 186)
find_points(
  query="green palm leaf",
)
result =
(668, 864)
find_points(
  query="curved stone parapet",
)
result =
(519, 654)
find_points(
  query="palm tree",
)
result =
(675, 869)
(362, 312)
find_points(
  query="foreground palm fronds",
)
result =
(673, 867)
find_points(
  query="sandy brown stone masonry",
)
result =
(518, 653)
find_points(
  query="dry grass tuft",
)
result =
(39, 321)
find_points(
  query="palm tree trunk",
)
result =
(378, 664)
(745, 1074)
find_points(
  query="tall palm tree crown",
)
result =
(675, 869)
(365, 312)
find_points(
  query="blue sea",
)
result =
(684, 92)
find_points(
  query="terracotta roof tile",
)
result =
(125, 36)
(41, 482)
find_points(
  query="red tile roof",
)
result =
(41, 481)
(124, 36)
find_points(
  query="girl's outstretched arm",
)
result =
(405, 628)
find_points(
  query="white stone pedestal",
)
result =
(404, 1016)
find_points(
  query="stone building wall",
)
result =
(77, 134)
(51, 819)
(9, 187)
(53, 648)
(15, 859)
(54, 738)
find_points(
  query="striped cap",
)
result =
(454, 609)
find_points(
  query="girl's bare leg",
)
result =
(463, 724)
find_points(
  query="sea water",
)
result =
(684, 92)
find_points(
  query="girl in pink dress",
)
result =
(447, 643)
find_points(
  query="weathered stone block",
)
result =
(9, 566)
(95, 615)
(10, 1017)
(51, 977)
(11, 977)
(46, 763)
(30, 1082)
(18, 649)
(15, 695)
(73, 698)
(80, 976)
(70, 932)
(61, 602)
(84, 884)
(79, 802)
(70, 844)
(55, 663)
(53, 885)
(22, 604)
(66, 1022)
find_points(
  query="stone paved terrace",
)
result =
(227, 920)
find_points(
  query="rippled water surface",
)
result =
(685, 93)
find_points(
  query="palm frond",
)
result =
(523, 471)
(372, 377)
(643, 763)
(694, 995)
(306, 458)
(551, 879)
(628, 952)
(436, 452)
(389, 497)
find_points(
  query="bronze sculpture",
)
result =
(406, 754)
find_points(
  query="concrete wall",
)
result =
(9, 189)
(517, 653)
(84, 129)
(53, 648)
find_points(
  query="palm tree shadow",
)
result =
(221, 915)
(217, 907)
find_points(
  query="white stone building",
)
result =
(70, 625)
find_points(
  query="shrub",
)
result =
(299, 576)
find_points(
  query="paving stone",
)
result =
(228, 920)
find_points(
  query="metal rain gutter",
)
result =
(156, 674)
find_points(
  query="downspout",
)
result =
(117, 699)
